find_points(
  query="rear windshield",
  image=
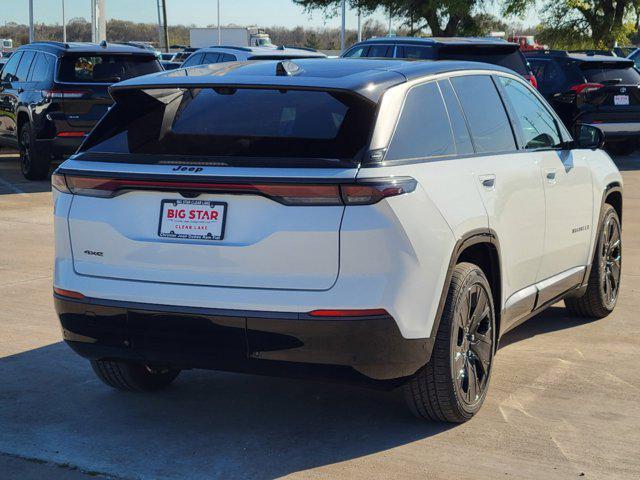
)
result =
(609, 72)
(229, 122)
(512, 59)
(105, 68)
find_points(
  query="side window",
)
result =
(415, 52)
(537, 126)
(210, 58)
(227, 57)
(42, 70)
(464, 146)
(9, 70)
(25, 64)
(423, 129)
(193, 60)
(357, 52)
(380, 51)
(486, 116)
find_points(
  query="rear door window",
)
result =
(25, 65)
(609, 72)
(423, 129)
(537, 127)
(490, 127)
(227, 57)
(195, 59)
(105, 68)
(210, 58)
(414, 52)
(380, 51)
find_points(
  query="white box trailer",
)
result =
(232, 36)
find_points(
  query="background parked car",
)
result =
(592, 89)
(167, 65)
(221, 54)
(182, 55)
(53, 93)
(489, 50)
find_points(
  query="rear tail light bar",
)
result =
(365, 192)
(586, 87)
(71, 134)
(68, 293)
(373, 312)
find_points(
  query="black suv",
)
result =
(592, 89)
(52, 94)
(487, 50)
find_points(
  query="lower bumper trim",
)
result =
(367, 350)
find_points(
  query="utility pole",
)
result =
(166, 27)
(31, 32)
(344, 25)
(159, 24)
(219, 28)
(64, 25)
(390, 20)
(359, 25)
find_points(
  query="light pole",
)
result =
(31, 32)
(159, 24)
(344, 25)
(359, 25)
(219, 28)
(166, 26)
(64, 25)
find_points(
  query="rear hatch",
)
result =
(84, 80)
(610, 93)
(217, 186)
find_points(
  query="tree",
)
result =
(438, 17)
(567, 21)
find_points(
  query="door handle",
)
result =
(488, 181)
(550, 175)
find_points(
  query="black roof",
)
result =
(442, 41)
(366, 77)
(582, 57)
(60, 48)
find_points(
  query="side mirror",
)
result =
(588, 136)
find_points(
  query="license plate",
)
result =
(621, 100)
(192, 219)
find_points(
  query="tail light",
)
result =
(71, 134)
(532, 80)
(68, 293)
(360, 193)
(586, 87)
(61, 94)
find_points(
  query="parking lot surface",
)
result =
(564, 400)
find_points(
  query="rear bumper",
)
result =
(367, 350)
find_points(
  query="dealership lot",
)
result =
(564, 402)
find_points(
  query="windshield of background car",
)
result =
(91, 68)
(237, 122)
(598, 72)
(509, 57)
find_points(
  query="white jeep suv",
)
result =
(375, 221)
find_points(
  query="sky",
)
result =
(263, 13)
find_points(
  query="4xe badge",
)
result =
(92, 253)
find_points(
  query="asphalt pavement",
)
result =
(564, 400)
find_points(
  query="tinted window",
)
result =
(356, 52)
(537, 126)
(226, 57)
(423, 129)
(458, 123)
(105, 68)
(25, 64)
(549, 75)
(512, 59)
(210, 58)
(380, 51)
(195, 59)
(487, 119)
(596, 72)
(43, 67)
(414, 52)
(9, 70)
(239, 123)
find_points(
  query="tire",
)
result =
(132, 377)
(460, 355)
(623, 148)
(34, 164)
(603, 287)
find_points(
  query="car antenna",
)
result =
(287, 68)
